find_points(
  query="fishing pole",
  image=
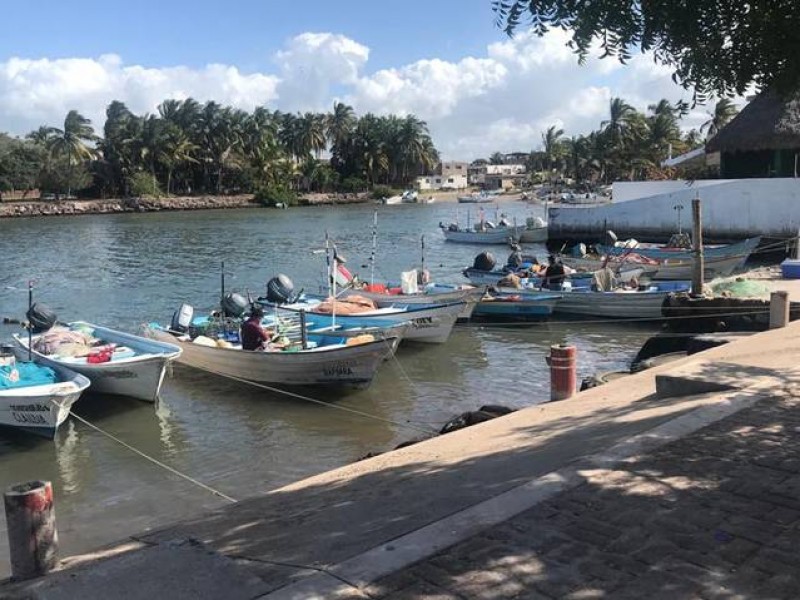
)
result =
(374, 247)
(30, 325)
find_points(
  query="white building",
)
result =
(478, 173)
(441, 182)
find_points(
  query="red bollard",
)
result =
(32, 536)
(563, 375)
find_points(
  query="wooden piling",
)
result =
(697, 238)
(32, 534)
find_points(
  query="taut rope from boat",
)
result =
(354, 411)
(155, 461)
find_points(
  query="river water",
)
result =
(124, 270)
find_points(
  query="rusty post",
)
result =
(32, 535)
(563, 371)
(698, 275)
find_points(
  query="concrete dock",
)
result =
(680, 481)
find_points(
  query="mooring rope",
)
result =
(153, 460)
(354, 411)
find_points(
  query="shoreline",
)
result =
(10, 210)
(42, 208)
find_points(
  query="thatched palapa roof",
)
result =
(769, 122)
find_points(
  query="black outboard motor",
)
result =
(484, 262)
(41, 318)
(182, 319)
(234, 305)
(280, 289)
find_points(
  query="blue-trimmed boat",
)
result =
(743, 248)
(507, 305)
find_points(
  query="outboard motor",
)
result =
(484, 262)
(182, 319)
(280, 289)
(234, 305)
(41, 318)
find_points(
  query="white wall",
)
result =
(732, 208)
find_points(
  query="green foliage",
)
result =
(352, 185)
(144, 185)
(20, 163)
(271, 195)
(627, 145)
(383, 191)
(716, 47)
(64, 179)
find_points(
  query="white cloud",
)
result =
(42, 91)
(501, 100)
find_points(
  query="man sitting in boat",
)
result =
(554, 274)
(515, 260)
(254, 336)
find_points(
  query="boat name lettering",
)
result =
(115, 374)
(424, 323)
(21, 417)
(338, 369)
(30, 407)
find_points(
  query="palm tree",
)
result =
(497, 159)
(551, 142)
(339, 124)
(724, 111)
(72, 141)
(176, 148)
(620, 114)
(41, 136)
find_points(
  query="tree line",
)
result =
(194, 148)
(628, 145)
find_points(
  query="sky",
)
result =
(443, 60)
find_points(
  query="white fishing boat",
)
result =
(129, 365)
(580, 279)
(392, 200)
(477, 198)
(334, 363)
(535, 231)
(34, 398)
(488, 236)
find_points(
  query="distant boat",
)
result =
(509, 305)
(535, 231)
(495, 235)
(477, 198)
(392, 200)
(409, 197)
(745, 247)
(34, 397)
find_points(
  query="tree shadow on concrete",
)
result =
(679, 521)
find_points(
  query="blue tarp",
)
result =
(29, 374)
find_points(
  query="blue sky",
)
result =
(443, 60)
(244, 32)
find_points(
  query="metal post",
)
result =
(563, 371)
(32, 534)
(778, 309)
(303, 329)
(698, 276)
(30, 326)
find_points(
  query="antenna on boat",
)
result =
(422, 243)
(374, 247)
(30, 327)
(221, 284)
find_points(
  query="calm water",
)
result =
(124, 270)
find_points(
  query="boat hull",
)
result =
(669, 269)
(613, 305)
(523, 309)
(496, 236)
(533, 236)
(743, 248)
(441, 294)
(138, 377)
(41, 409)
(347, 366)
(428, 324)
